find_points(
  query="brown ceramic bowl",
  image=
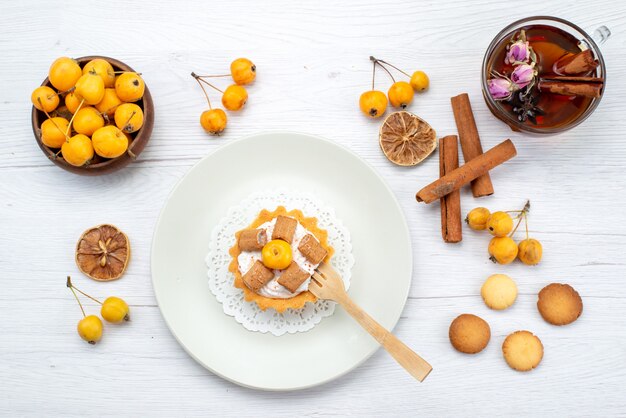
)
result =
(98, 164)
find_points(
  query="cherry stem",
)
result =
(213, 76)
(210, 85)
(526, 224)
(197, 77)
(373, 75)
(69, 126)
(128, 121)
(394, 67)
(521, 216)
(52, 120)
(379, 62)
(69, 284)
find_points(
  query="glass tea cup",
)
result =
(503, 110)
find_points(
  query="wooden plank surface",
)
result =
(313, 64)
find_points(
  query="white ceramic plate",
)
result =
(380, 279)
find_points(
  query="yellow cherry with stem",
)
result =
(45, 99)
(113, 309)
(77, 150)
(418, 81)
(64, 73)
(373, 103)
(129, 117)
(90, 327)
(90, 87)
(87, 121)
(108, 104)
(233, 98)
(53, 131)
(400, 93)
(530, 250)
(109, 142)
(213, 120)
(72, 101)
(102, 68)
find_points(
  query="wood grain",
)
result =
(312, 60)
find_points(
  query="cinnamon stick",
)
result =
(451, 230)
(571, 88)
(472, 169)
(580, 63)
(470, 141)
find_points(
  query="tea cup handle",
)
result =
(601, 34)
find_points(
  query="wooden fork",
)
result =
(326, 283)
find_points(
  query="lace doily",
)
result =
(248, 314)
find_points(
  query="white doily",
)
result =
(221, 280)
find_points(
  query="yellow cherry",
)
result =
(53, 131)
(109, 142)
(234, 97)
(44, 99)
(419, 81)
(90, 88)
(87, 120)
(530, 251)
(373, 103)
(243, 71)
(64, 73)
(77, 150)
(129, 87)
(400, 94)
(499, 224)
(90, 329)
(477, 218)
(277, 254)
(502, 250)
(129, 117)
(72, 102)
(102, 68)
(213, 121)
(114, 310)
(109, 102)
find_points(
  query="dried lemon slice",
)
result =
(102, 252)
(406, 139)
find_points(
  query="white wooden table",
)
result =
(313, 64)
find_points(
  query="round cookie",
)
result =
(469, 334)
(522, 351)
(499, 291)
(559, 304)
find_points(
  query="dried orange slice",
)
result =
(406, 139)
(103, 252)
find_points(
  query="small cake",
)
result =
(469, 333)
(499, 291)
(274, 258)
(559, 304)
(522, 351)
